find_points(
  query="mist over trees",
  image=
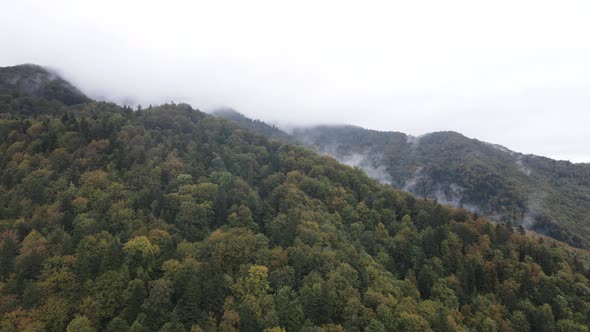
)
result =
(168, 219)
(547, 196)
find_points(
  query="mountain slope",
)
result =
(548, 196)
(258, 126)
(168, 219)
(39, 82)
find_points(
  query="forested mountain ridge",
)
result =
(168, 219)
(37, 81)
(548, 196)
(269, 131)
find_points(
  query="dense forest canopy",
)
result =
(168, 219)
(34, 80)
(544, 195)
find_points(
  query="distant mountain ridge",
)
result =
(261, 127)
(548, 196)
(170, 219)
(37, 81)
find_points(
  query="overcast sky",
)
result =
(515, 73)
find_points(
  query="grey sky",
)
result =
(515, 73)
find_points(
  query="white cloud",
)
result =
(516, 73)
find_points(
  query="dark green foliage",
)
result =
(548, 196)
(133, 298)
(169, 219)
(117, 325)
(8, 253)
(253, 125)
(39, 82)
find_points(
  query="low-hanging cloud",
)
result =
(414, 67)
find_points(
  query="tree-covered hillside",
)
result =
(168, 219)
(244, 122)
(37, 81)
(548, 196)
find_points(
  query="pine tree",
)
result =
(8, 253)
